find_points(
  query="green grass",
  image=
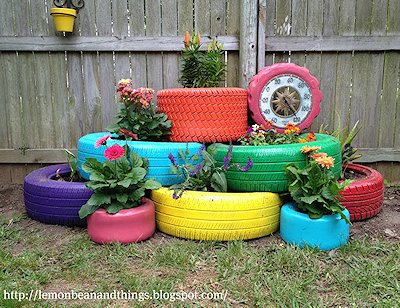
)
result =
(362, 274)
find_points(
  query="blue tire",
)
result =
(155, 152)
(326, 233)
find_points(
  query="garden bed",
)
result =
(262, 272)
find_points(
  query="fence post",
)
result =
(248, 41)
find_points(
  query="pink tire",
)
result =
(258, 82)
(127, 226)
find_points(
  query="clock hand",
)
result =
(290, 106)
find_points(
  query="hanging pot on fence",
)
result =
(64, 19)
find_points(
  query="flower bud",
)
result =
(186, 39)
(198, 38)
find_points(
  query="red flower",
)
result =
(114, 152)
(128, 133)
(102, 141)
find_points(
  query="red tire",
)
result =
(205, 115)
(364, 197)
(257, 83)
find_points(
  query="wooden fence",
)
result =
(56, 88)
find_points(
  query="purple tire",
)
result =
(54, 202)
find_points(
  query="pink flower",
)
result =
(114, 152)
(102, 141)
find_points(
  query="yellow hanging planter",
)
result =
(64, 19)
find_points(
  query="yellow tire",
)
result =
(217, 216)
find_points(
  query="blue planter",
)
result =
(326, 233)
(155, 152)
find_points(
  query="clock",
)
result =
(284, 93)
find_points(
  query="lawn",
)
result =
(264, 272)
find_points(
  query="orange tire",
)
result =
(205, 114)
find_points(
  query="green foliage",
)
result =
(138, 118)
(118, 184)
(73, 165)
(147, 123)
(315, 189)
(202, 69)
(345, 137)
(200, 172)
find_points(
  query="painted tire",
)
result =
(127, 226)
(155, 152)
(54, 202)
(217, 216)
(268, 171)
(258, 82)
(326, 233)
(205, 115)
(364, 197)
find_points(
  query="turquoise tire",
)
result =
(155, 152)
(325, 233)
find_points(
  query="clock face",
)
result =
(285, 99)
(284, 93)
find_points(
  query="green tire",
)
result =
(268, 171)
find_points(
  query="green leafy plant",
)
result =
(138, 115)
(346, 137)
(74, 176)
(314, 187)
(201, 69)
(200, 171)
(119, 183)
(266, 135)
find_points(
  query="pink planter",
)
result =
(126, 226)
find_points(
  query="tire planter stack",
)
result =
(205, 114)
(364, 197)
(217, 216)
(54, 202)
(268, 172)
(155, 152)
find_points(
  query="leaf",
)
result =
(93, 185)
(99, 199)
(87, 209)
(125, 182)
(218, 182)
(137, 174)
(123, 165)
(123, 198)
(114, 207)
(137, 194)
(152, 184)
(136, 160)
(309, 199)
(92, 165)
(96, 176)
(208, 158)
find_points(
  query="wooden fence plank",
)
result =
(120, 30)
(106, 64)
(154, 60)
(299, 28)
(283, 27)
(138, 59)
(270, 22)
(202, 16)
(347, 19)
(170, 28)
(232, 28)
(112, 43)
(185, 17)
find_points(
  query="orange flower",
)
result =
(287, 131)
(310, 137)
(186, 40)
(325, 162)
(292, 128)
(261, 127)
(269, 123)
(319, 155)
(307, 149)
(302, 140)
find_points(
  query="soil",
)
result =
(386, 224)
(351, 175)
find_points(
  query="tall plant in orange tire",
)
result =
(203, 111)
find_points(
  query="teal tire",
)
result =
(156, 152)
(268, 171)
